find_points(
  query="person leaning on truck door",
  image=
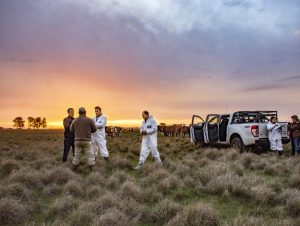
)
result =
(295, 130)
(275, 135)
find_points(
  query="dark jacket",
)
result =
(83, 127)
(295, 129)
(67, 124)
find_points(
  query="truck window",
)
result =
(213, 120)
(253, 116)
(245, 117)
(264, 119)
(197, 122)
(235, 118)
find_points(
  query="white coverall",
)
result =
(274, 136)
(98, 138)
(149, 142)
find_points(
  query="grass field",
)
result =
(195, 186)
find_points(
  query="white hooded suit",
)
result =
(149, 142)
(274, 136)
(98, 138)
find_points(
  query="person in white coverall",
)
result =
(274, 130)
(149, 143)
(98, 138)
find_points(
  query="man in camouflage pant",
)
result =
(82, 128)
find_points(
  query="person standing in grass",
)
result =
(295, 130)
(275, 135)
(149, 143)
(68, 135)
(98, 138)
(291, 137)
(83, 127)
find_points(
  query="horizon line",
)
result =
(126, 123)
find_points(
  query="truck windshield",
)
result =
(253, 116)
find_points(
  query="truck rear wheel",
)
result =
(237, 144)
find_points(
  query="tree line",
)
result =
(34, 123)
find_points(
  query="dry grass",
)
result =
(130, 190)
(169, 184)
(52, 189)
(117, 179)
(248, 221)
(152, 194)
(105, 202)
(263, 194)
(207, 173)
(8, 166)
(197, 214)
(293, 207)
(211, 154)
(36, 188)
(120, 163)
(94, 191)
(11, 211)
(17, 191)
(133, 210)
(247, 160)
(164, 211)
(61, 207)
(295, 180)
(112, 216)
(59, 175)
(220, 184)
(31, 179)
(83, 215)
(231, 155)
(74, 189)
(95, 179)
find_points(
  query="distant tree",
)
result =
(162, 124)
(19, 122)
(44, 123)
(37, 122)
(30, 122)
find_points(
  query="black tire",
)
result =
(237, 144)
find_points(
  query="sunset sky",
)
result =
(174, 58)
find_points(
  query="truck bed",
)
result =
(263, 132)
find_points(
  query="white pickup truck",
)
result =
(241, 130)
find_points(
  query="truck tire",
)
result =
(237, 144)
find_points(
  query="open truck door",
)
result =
(197, 129)
(212, 128)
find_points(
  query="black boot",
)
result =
(279, 153)
(106, 159)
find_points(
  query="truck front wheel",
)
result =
(237, 144)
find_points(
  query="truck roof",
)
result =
(265, 113)
(257, 111)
